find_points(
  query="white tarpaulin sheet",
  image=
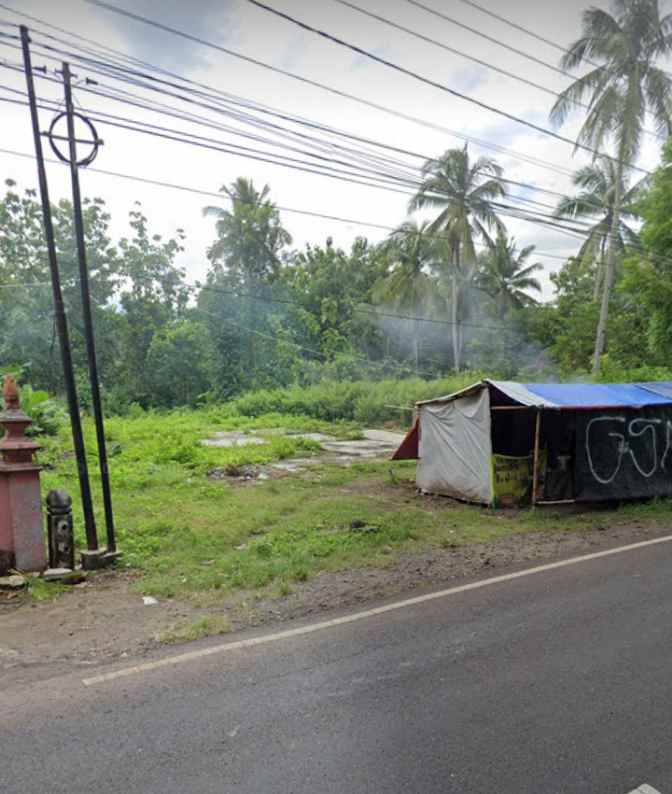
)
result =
(455, 448)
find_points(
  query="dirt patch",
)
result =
(437, 567)
(101, 619)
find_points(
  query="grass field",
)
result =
(195, 537)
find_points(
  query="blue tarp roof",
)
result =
(573, 395)
(600, 395)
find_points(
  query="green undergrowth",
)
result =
(365, 402)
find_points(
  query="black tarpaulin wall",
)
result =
(623, 453)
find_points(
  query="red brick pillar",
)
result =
(21, 535)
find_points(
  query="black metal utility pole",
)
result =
(59, 310)
(86, 309)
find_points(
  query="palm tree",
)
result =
(597, 182)
(623, 88)
(463, 190)
(409, 287)
(246, 253)
(249, 235)
(505, 275)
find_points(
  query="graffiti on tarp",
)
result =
(638, 439)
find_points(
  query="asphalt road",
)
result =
(555, 682)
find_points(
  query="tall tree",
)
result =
(598, 188)
(153, 295)
(409, 287)
(505, 274)
(250, 236)
(622, 88)
(246, 259)
(463, 190)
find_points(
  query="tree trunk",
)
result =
(455, 328)
(416, 345)
(600, 270)
(610, 269)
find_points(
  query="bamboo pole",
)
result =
(535, 469)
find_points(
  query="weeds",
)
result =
(208, 626)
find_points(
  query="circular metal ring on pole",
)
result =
(95, 142)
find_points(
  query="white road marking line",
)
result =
(644, 789)
(368, 613)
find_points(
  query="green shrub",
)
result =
(366, 402)
(613, 372)
(47, 413)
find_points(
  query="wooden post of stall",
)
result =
(535, 465)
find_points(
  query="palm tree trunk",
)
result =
(455, 326)
(416, 345)
(610, 269)
(599, 275)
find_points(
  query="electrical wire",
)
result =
(474, 59)
(386, 182)
(219, 195)
(337, 92)
(532, 187)
(422, 122)
(395, 163)
(369, 141)
(537, 218)
(421, 78)
(251, 331)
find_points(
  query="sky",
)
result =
(240, 26)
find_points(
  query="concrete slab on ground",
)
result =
(232, 438)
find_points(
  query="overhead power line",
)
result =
(505, 209)
(223, 197)
(491, 39)
(349, 221)
(413, 178)
(490, 66)
(371, 311)
(377, 143)
(388, 182)
(427, 81)
(522, 29)
(516, 26)
(335, 91)
(171, 111)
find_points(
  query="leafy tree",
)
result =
(332, 288)
(27, 325)
(179, 363)
(565, 327)
(647, 282)
(152, 295)
(505, 275)
(463, 190)
(597, 182)
(622, 89)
